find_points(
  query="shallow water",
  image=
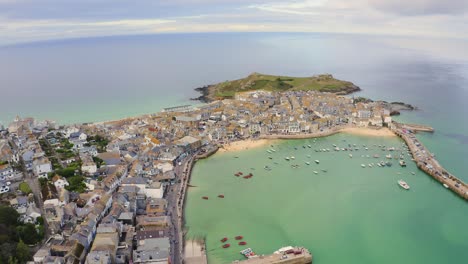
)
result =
(347, 214)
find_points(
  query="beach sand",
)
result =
(244, 145)
(363, 131)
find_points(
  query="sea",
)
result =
(347, 214)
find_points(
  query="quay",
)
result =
(288, 255)
(415, 127)
(427, 162)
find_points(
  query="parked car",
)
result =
(4, 189)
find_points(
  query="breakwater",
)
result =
(426, 161)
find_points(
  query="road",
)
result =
(174, 198)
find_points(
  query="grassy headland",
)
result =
(257, 81)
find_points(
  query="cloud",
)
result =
(421, 7)
(32, 20)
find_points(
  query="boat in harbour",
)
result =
(445, 185)
(316, 172)
(248, 253)
(239, 237)
(363, 165)
(226, 245)
(403, 184)
(224, 239)
(350, 155)
(242, 243)
(317, 161)
(402, 163)
(221, 196)
(307, 163)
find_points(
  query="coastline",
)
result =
(244, 145)
(363, 131)
(264, 140)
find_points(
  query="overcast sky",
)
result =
(33, 20)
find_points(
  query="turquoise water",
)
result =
(348, 214)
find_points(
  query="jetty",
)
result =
(426, 161)
(415, 127)
(287, 255)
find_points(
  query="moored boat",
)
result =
(317, 161)
(402, 163)
(242, 243)
(226, 245)
(224, 239)
(221, 196)
(403, 184)
(205, 197)
(445, 185)
(239, 237)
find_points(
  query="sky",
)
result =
(38, 20)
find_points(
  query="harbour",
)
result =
(355, 189)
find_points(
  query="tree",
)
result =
(28, 233)
(8, 216)
(22, 252)
(12, 260)
(7, 249)
(76, 184)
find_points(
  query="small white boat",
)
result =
(363, 165)
(308, 163)
(273, 150)
(389, 156)
(369, 165)
(445, 185)
(413, 173)
(286, 158)
(350, 155)
(292, 157)
(317, 161)
(316, 172)
(403, 184)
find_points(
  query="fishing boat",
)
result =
(221, 196)
(403, 184)
(316, 172)
(402, 163)
(248, 253)
(224, 239)
(239, 237)
(242, 243)
(226, 245)
(363, 165)
(308, 163)
(317, 161)
(389, 156)
(350, 155)
(292, 157)
(286, 158)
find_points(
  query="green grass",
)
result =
(24, 187)
(256, 81)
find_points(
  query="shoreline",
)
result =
(264, 140)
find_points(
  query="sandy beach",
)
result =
(362, 131)
(244, 145)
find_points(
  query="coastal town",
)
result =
(114, 192)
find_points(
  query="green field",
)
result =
(256, 81)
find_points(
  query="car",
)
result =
(4, 189)
(8, 183)
(2, 178)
